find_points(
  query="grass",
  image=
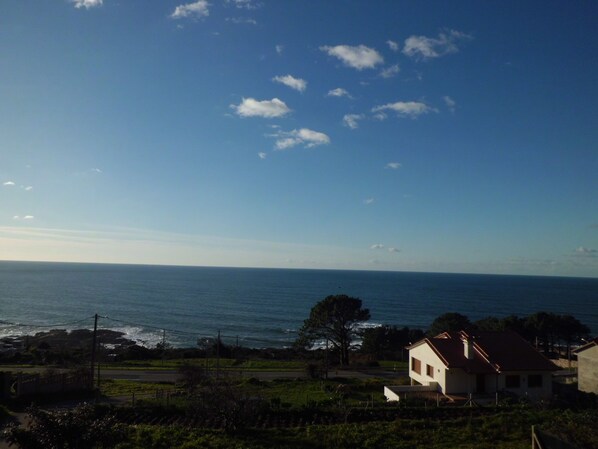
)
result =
(394, 365)
(120, 387)
(289, 393)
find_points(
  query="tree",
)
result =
(449, 322)
(336, 320)
(388, 342)
(570, 329)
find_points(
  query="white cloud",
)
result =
(279, 49)
(368, 201)
(28, 188)
(241, 20)
(250, 107)
(360, 57)
(350, 120)
(391, 71)
(87, 4)
(245, 4)
(380, 116)
(28, 217)
(8, 183)
(393, 165)
(96, 170)
(195, 10)
(338, 92)
(262, 155)
(15, 217)
(377, 246)
(292, 82)
(394, 250)
(450, 103)
(303, 136)
(411, 109)
(422, 47)
(394, 46)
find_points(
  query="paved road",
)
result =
(158, 376)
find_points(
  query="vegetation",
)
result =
(122, 387)
(388, 342)
(502, 429)
(335, 319)
(79, 428)
(449, 322)
(225, 408)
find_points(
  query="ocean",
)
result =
(261, 307)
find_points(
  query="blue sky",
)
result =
(385, 135)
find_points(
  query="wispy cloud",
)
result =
(245, 4)
(292, 82)
(195, 10)
(279, 49)
(87, 4)
(359, 57)
(242, 20)
(304, 136)
(394, 46)
(368, 201)
(411, 109)
(394, 250)
(422, 47)
(351, 120)
(8, 183)
(28, 188)
(28, 217)
(250, 107)
(377, 246)
(262, 155)
(450, 103)
(393, 165)
(338, 92)
(391, 71)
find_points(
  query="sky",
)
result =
(346, 134)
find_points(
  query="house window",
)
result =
(430, 371)
(416, 365)
(512, 381)
(534, 380)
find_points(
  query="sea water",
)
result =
(261, 307)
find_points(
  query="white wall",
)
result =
(458, 381)
(427, 356)
(587, 370)
(545, 391)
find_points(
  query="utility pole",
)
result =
(218, 356)
(163, 345)
(99, 357)
(93, 349)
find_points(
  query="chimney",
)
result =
(468, 348)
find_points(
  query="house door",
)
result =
(480, 383)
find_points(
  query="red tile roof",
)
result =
(494, 351)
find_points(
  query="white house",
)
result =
(480, 362)
(587, 367)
